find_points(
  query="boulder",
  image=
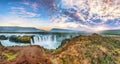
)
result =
(3, 37)
(13, 38)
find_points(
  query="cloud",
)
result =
(66, 25)
(23, 12)
(88, 15)
(26, 3)
(85, 10)
(80, 27)
(41, 24)
(34, 6)
(47, 5)
(61, 23)
(20, 21)
(47, 8)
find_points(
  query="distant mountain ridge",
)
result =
(32, 29)
(19, 29)
(111, 32)
(62, 30)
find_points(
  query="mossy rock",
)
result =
(3, 37)
(20, 39)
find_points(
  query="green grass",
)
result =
(10, 56)
(106, 60)
(65, 60)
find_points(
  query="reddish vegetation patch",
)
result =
(27, 55)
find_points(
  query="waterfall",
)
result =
(47, 41)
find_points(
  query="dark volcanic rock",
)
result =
(3, 37)
(0, 44)
(20, 39)
(64, 42)
(13, 38)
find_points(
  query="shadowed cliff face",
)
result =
(93, 49)
(0, 44)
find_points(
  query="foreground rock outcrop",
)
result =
(93, 49)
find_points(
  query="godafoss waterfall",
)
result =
(49, 41)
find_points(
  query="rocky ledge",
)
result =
(3, 37)
(20, 39)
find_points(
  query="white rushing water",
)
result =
(49, 41)
(8, 43)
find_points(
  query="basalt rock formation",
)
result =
(20, 39)
(3, 37)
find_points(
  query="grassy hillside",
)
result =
(93, 49)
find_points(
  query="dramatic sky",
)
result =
(89, 15)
